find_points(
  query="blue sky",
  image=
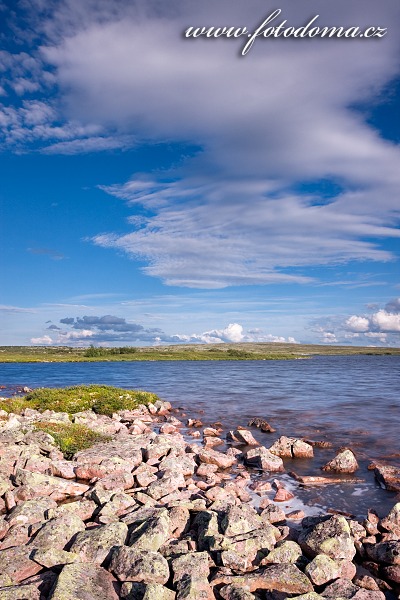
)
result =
(156, 189)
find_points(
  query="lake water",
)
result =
(348, 400)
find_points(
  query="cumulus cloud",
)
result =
(233, 333)
(381, 326)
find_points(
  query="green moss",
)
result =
(102, 399)
(71, 438)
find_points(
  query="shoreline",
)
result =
(186, 504)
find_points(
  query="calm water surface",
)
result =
(348, 400)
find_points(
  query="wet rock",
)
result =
(388, 477)
(130, 564)
(243, 436)
(287, 447)
(259, 487)
(262, 458)
(95, 545)
(283, 495)
(261, 424)
(214, 457)
(81, 581)
(344, 462)
(322, 570)
(313, 480)
(392, 521)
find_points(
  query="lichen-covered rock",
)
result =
(31, 511)
(288, 447)
(52, 557)
(344, 462)
(330, 536)
(166, 485)
(95, 545)
(58, 532)
(322, 570)
(152, 533)
(190, 576)
(47, 485)
(286, 578)
(208, 534)
(384, 552)
(81, 581)
(341, 588)
(272, 514)
(130, 564)
(16, 565)
(139, 591)
(240, 519)
(236, 592)
(262, 458)
(286, 552)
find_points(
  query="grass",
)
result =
(102, 399)
(193, 352)
(70, 438)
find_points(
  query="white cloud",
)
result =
(357, 324)
(385, 321)
(233, 333)
(45, 340)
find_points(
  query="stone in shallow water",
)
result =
(262, 458)
(213, 457)
(388, 477)
(81, 581)
(344, 462)
(287, 447)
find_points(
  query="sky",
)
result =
(157, 187)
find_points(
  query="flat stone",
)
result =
(388, 477)
(214, 457)
(16, 564)
(288, 447)
(96, 545)
(47, 485)
(31, 511)
(144, 566)
(58, 532)
(81, 581)
(286, 578)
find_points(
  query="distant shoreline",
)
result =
(198, 352)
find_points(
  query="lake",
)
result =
(348, 400)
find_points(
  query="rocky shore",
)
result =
(155, 514)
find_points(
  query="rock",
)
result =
(96, 545)
(312, 480)
(167, 484)
(117, 481)
(283, 495)
(53, 557)
(190, 576)
(62, 468)
(58, 532)
(31, 511)
(151, 534)
(262, 458)
(243, 436)
(183, 463)
(341, 588)
(140, 591)
(81, 581)
(130, 564)
(272, 514)
(286, 552)
(214, 457)
(330, 536)
(388, 477)
(392, 573)
(235, 592)
(83, 509)
(286, 578)
(261, 424)
(392, 521)
(287, 447)
(16, 564)
(384, 552)
(344, 462)
(240, 519)
(322, 570)
(47, 485)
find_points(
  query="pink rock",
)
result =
(283, 495)
(344, 462)
(62, 468)
(168, 428)
(214, 457)
(117, 481)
